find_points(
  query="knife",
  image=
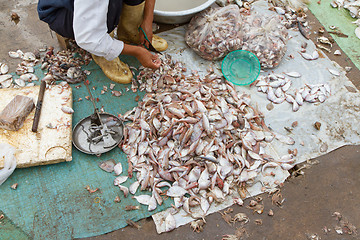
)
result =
(151, 47)
(38, 106)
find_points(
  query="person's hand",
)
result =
(147, 59)
(147, 27)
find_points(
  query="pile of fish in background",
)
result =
(215, 32)
(265, 36)
(199, 137)
(60, 66)
(66, 65)
(25, 70)
(277, 86)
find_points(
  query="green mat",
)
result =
(329, 16)
(9, 231)
(51, 202)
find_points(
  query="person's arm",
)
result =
(90, 29)
(147, 21)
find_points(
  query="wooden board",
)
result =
(48, 145)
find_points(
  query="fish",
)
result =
(204, 179)
(284, 139)
(279, 10)
(118, 169)
(302, 30)
(176, 191)
(315, 55)
(13, 54)
(334, 72)
(67, 110)
(307, 56)
(124, 189)
(293, 74)
(194, 138)
(119, 180)
(133, 187)
(4, 68)
(299, 99)
(152, 203)
(170, 223)
(143, 199)
(357, 32)
(204, 205)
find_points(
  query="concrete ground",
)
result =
(310, 200)
(330, 184)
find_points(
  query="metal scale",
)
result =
(98, 133)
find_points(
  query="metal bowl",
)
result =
(177, 17)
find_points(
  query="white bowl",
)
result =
(182, 16)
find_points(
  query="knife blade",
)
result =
(38, 106)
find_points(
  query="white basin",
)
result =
(178, 11)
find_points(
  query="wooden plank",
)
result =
(48, 145)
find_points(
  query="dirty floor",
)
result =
(310, 200)
(330, 184)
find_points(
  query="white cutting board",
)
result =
(47, 146)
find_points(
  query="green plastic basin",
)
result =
(240, 67)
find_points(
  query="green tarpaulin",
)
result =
(51, 202)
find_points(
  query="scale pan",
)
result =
(81, 134)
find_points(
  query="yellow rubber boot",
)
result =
(159, 43)
(63, 42)
(115, 70)
(128, 29)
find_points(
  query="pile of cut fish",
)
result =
(66, 65)
(63, 65)
(240, 3)
(215, 32)
(197, 136)
(294, 16)
(277, 86)
(266, 37)
(25, 70)
(354, 9)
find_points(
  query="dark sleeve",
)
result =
(47, 8)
